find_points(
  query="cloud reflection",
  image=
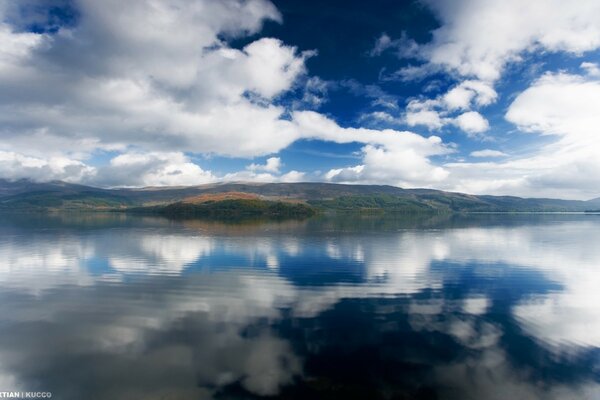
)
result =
(200, 311)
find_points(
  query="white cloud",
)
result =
(472, 122)
(558, 105)
(348, 174)
(400, 167)
(270, 171)
(154, 75)
(312, 125)
(315, 93)
(136, 169)
(273, 164)
(127, 169)
(428, 118)
(425, 113)
(436, 113)
(379, 117)
(15, 166)
(488, 153)
(152, 169)
(458, 98)
(475, 42)
(462, 95)
(592, 69)
(155, 79)
(251, 176)
(293, 176)
(478, 38)
(389, 156)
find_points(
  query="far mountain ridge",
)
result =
(25, 194)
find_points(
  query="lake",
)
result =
(109, 306)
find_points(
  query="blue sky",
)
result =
(478, 96)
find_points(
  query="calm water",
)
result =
(481, 307)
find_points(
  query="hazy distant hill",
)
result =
(27, 195)
(595, 203)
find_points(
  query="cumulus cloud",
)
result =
(478, 38)
(272, 164)
(401, 167)
(15, 166)
(154, 75)
(151, 169)
(155, 79)
(425, 113)
(462, 95)
(127, 169)
(559, 104)
(157, 82)
(389, 156)
(563, 107)
(137, 169)
(441, 111)
(472, 122)
(270, 171)
(293, 176)
(475, 42)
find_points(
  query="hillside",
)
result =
(234, 209)
(27, 195)
(216, 197)
(229, 205)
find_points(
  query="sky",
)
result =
(477, 96)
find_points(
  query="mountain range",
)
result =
(57, 195)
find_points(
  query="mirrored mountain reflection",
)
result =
(479, 307)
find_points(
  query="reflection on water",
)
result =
(479, 307)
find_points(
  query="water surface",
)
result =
(114, 307)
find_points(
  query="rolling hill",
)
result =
(57, 195)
